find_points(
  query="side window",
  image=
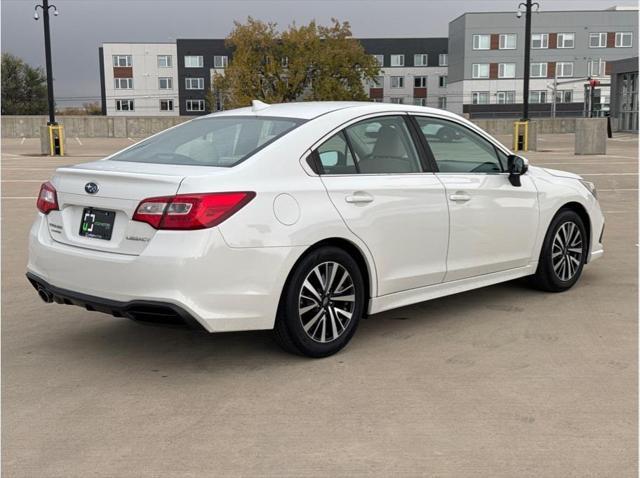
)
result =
(383, 145)
(335, 156)
(457, 149)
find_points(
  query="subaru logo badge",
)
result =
(91, 188)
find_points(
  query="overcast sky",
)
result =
(84, 24)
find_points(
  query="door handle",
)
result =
(460, 197)
(359, 198)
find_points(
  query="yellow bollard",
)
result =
(517, 126)
(56, 131)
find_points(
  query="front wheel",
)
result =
(321, 305)
(563, 254)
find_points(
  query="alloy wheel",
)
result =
(566, 251)
(326, 302)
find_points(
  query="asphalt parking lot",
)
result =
(502, 381)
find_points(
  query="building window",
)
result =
(397, 100)
(421, 59)
(564, 69)
(166, 105)
(564, 96)
(420, 101)
(596, 67)
(397, 60)
(124, 105)
(379, 59)
(123, 83)
(540, 40)
(566, 40)
(508, 41)
(598, 40)
(505, 97)
(165, 61)
(122, 60)
(480, 97)
(193, 62)
(442, 102)
(194, 83)
(481, 42)
(420, 82)
(220, 61)
(443, 59)
(538, 70)
(480, 70)
(195, 105)
(624, 39)
(165, 83)
(442, 81)
(538, 96)
(284, 62)
(507, 70)
(397, 82)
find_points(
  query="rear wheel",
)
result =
(321, 305)
(563, 253)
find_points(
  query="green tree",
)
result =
(310, 62)
(24, 89)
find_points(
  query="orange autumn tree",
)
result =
(310, 62)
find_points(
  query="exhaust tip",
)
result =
(45, 295)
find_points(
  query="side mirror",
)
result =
(517, 166)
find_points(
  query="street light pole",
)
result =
(47, 52)
(528, 6)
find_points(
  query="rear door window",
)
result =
(383, 145)
(222, 141)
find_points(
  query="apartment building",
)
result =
(198, 61)
(486, 58)
(139, 79)
(413, 70)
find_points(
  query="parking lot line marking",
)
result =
(78, 140)
(608, 174)
(22, 141)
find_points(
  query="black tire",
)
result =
(559, 267)
(293, 316)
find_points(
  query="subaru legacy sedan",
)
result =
(303, 218)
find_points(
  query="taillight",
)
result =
(47, 199)
(191, 211)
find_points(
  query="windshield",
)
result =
(223, 142)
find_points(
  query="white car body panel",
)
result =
(482, 237)
(416, 243)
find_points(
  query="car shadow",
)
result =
(112, 342)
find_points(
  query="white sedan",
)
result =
(305, 217)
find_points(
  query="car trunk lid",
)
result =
(120, 188)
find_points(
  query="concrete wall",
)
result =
(90, 126)
(140, 127)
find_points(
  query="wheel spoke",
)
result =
(306, 309)
(320, 278)
(307, 285)
(332, 275)
(334, 329)
(345, 298)
(315, 318)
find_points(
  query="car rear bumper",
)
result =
(192, 275)
(139, 310)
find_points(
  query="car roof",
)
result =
(312, 109)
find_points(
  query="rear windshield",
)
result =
(224, 141)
